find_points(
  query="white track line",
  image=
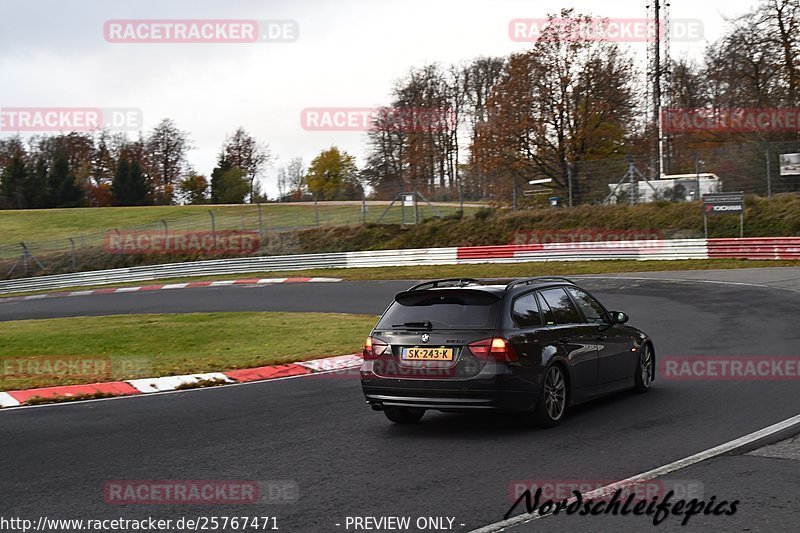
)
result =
(652, 474)
(714, 282)
(80, 293)
(128, 289)
(175, 286)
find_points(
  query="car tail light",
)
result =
(374, 348)
(497, 349)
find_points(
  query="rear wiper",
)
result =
(415, 325)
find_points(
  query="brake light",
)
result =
(497, 349)
(374, 348)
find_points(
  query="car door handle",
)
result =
(602, 337)
(564, 340)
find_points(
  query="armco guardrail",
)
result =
(780, 248)
(766, 248)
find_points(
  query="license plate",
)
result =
(427, 354)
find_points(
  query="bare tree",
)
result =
(479, 79)
(282, 183)
(385, 169)
(296, 177)
(245, 152)
(567, 100)
(166, 148)
(779, 24)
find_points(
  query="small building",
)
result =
(675, 187)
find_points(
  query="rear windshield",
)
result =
(451, 309)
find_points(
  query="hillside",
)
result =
(777, 216)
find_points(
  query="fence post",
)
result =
(697, 175)
(363, 207)
(569, 182)
(74, 259)
(213, 227)
(769, 177)
(513, 193)
(166, 234)
(416, 204)
(25, 257)
(741, 225)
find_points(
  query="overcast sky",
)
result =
(349, 52)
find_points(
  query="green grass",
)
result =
(484, 270)
(156, 345)
(291, 228)
(37, 225)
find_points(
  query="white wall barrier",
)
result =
(639, 250)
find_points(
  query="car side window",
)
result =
(591, 308)
(525, 312)
(561, 304)
(547, 313)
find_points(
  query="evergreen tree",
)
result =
(37, 188)
(129, 185)
(234, 186)
(65, 192)
(217, 183)
(140, 190)
(120, 184)
(14, 178)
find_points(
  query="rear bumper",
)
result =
(486, 391)
(500, 400)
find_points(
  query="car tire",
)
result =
(643, 377)
(403, 415)
(552, 401)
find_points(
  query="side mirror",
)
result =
(618, 317)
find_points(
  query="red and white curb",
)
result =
(171, 383)
(167, 286)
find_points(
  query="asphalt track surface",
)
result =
(349, 461)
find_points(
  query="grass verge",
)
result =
(483, 270)
(89, 223)
(38, 353)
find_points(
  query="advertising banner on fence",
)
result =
(790, 164)
(723, 203)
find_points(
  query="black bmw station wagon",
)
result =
(535, 345)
